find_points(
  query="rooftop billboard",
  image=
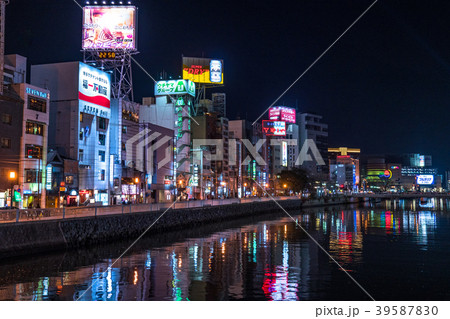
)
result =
(109, 28)
(203, 70)
(282, 113)
(94, 86)
(175, 87)
(274, 128)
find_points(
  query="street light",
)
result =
(285, 185)
(136, 180)
(12, 177)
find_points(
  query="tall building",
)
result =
(249, 173)
(344, 167)
(210, 126)
(219, 104)
(23, 132)
(80, 123)
(139, 147)
(311, 127)
(173, 111)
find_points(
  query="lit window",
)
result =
(34, 128)
(36, 104)
(33, 151)
(101, 156)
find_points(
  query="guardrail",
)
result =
(27, 215)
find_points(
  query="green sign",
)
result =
(17, 197)
(175, 87)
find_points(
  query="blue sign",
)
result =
(36, 92)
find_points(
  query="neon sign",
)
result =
(274, 128)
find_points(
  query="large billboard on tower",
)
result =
(203, 70)
(109, 28)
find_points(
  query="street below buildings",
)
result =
(396, 250)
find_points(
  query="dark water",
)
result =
(396, 251)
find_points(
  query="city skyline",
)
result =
(374, 110)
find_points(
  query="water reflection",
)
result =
(272, 260)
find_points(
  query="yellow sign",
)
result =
(62, 189)
(203, 70)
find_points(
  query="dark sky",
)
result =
(384, 87)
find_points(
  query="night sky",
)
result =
(384, 87)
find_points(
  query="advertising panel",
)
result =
(274, 128)
(282, 113)
(175, 87)
(284, 154)
(94, 86)
(425, 179)
(109, 28)
(203, 70)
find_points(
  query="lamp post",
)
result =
(12, 177)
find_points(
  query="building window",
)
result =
(124, 129)
(5, 142)
(36, 104)
(80, 155)
(33, 151)
(101, 176)
(124, 148)
(101, 139)
(101, 156)
(32, 176)
(102, 123)
(69, 179)
(34, 128)
(81, 117)
(6, 118)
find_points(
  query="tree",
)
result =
(296, 179)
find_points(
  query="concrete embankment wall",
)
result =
(44, 236)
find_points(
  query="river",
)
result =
(396, 250)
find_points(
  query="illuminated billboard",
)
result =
(282, 113)
(274, 128)
(109, 28)
(94, 86)
(425, 179)
(175, 87)
(284, 154)
(203, 70)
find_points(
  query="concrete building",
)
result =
(210, 126)
(140, 147)
(174, 112)
(311, 127)
(344, 167)
(248, 173)
(23, 132)
(80, 122)
(219, 104)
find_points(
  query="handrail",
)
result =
(41, 214)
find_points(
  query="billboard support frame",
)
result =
(119, 67)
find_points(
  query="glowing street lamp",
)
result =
(12, 175)
(136, 180)
(285, 185)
